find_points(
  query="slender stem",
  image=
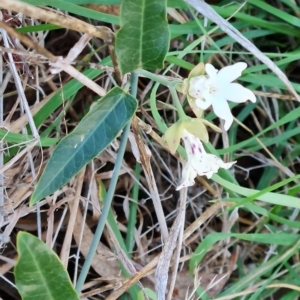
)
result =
(133, 84)
(133, 206)
(177, 103)
(158, 78)
(158, 119)
(132, 212)
(108, 200)
(107, 204)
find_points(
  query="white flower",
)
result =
(199, 162)
(217, 87)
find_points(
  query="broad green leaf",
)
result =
(143, 40)
(39, 273)
(92, 135)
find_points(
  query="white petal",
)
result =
(235, 92)
(222, 110)
(196, 154)
(188, 176)
(197, 86)
(211, 71)
(193, 146)
(231, 73)
(209, 174)
(203, 104)
(216, 163)
(199, 162)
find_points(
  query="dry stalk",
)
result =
(104, 262)
(64, 254)
(284, 169)
(145, 161)
(152, 264)
(27, 41)
(38, 13)
(57, 62)
(163, 265)
(274, 95)
(28, 148)
(177, 253)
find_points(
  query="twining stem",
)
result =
(158, 120)
(158, 78)
(177, 103)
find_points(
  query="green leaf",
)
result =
(39, 273)
(143, 40)
(265, 195)
(18, 138)
(150, 294)
(295, 21)
(92, 135)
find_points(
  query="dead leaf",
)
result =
(107, 9)
(104, 261)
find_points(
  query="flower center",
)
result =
(212, 89)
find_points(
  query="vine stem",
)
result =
(158, 78)
(109, 197)
(177, 103)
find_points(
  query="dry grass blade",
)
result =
(55, 62)
(151, 265)
(205, 216)
(28, 42)
(104, 262)
(285, 170)
(22, 121)
(28, 148)
(162, 270)
(64, 255)
(66, 22)
(127, 263)
(99, 290)
(19, 86)
(209, 13)
(145, 161)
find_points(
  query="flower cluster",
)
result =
(214, 88)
